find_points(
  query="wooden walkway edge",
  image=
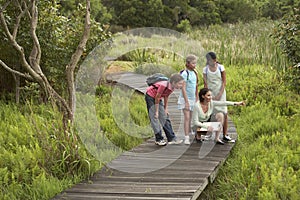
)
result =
(151, 172)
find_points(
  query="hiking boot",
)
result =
(175, 141)
(161, 143)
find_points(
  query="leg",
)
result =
(187, 121)
(225, 124)
(165, 122)
(219, 118)
(153, 121)
(190, 121)
(186, 125)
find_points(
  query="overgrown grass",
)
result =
(36, 157)
(38, 160)
(243, 44)
(265, 161)
(123, 116)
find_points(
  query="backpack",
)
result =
(187, 78)
(154, 78)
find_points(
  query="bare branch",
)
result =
(27, 76)
(19, 49)
(18, 19)
(76, 57)
(4, 24)
(4, 6)
(35, 55)
(80, 48)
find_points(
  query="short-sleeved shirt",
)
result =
(162, 87)
(190, 78)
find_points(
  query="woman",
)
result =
(157, 110)
(203, 112)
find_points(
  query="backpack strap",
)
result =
(155, 87)
(206, 69)
(187, 78)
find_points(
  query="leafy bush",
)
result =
(184, 26)
(286, 34)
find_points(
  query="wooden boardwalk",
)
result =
(151, 172)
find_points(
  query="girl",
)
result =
(214, 78)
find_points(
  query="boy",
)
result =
(188, 95)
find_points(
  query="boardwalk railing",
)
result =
(152, 172)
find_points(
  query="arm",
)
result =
(166, 98)
(196, 92)
(205, 77)
(195, 118)
(223, 75)
(204, 80)
(157, 99)
(187, 105)
(228, 103)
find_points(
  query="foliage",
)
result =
(36, 157)
(38, 160)
(118, 128)
(265, 161)
(98, 12)
(242, 43)
(184, 26)
(168, 14)
(136, 13)
(232, 11)
(58, 36)
(287, 35)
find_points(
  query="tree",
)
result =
(139, 13)
(287, 35)
(30, 60)
(98, 12)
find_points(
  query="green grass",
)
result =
(38, 160)
(264, 164)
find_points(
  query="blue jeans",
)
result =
(163, 120)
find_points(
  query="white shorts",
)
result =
(181, 104)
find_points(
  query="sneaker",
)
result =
(227, 138)
(161, 143)
(187, 141)
(175, 141)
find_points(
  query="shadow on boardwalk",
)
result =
(152, 172)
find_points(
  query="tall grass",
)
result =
(243, 44)
(38, 160)
(33, 152)
(265, 161)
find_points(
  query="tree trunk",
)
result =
(33, 69)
